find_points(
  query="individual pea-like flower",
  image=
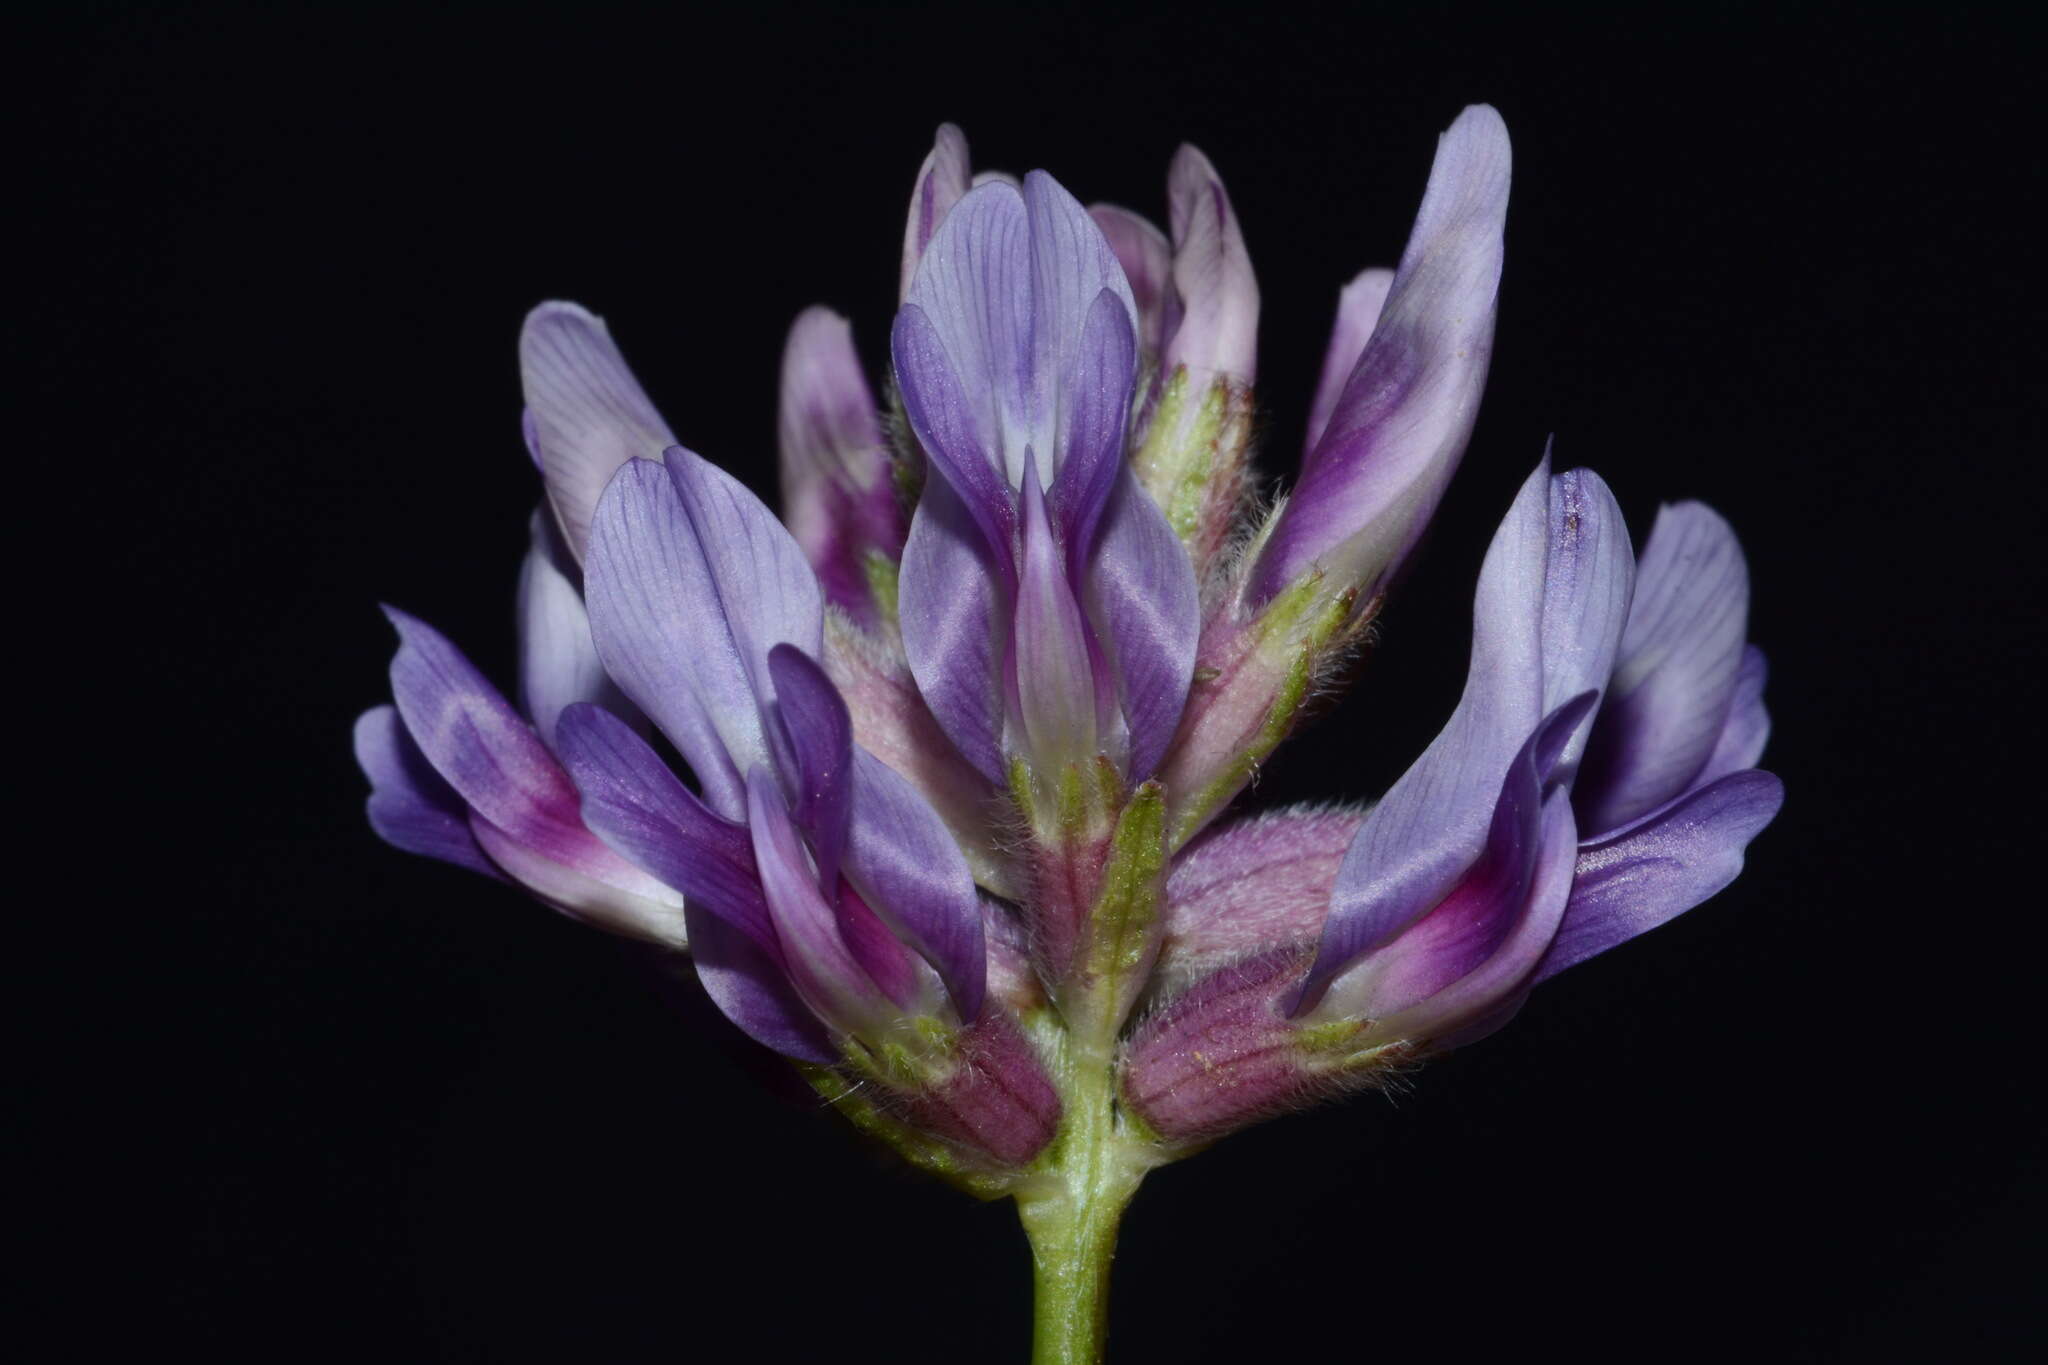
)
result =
(1597, 778)
(458, 773)
(959, 733)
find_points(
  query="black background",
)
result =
(338, 1104)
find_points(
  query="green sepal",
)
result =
(1069, 807)
(1300, 629)
(1178, 457)
(880, 571)
(1125, 923)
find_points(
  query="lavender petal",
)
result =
(953, 626)
(826, 975)
(1358, 312)
(1675, 676)
(1399, 427)
(638, 807)
(1661, 867)
(820, 736)
(589, 415)
(838, 496)
(1071, 266)
(558, 663)
(1212, 276)
(1548, 610)
(410, 806)
(1749, 725)
(1142, 597)
(1049, 668)
(941, 181)
(692, 581)
(1147, 260)
(750, 988)
(962, 343)
(960, 433)
(1407, 954)
(1488, 995)
(1097, 406)
(1589, 582)
(603, 890)
(482, 748)
(906, 866)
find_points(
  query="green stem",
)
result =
(1072, 1244)
(1072, 1226)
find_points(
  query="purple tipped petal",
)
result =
(410, 807)
(1002, 298)
(827, 976)
(1146, 608)
(1487, 996)
(748, 985)
(1147, 260)
(837, 493)
(1098, 406)
(1071, 264)
(765, 588)
(655, 619)
(1400, 425)
(1551, 597)
(1630, 884)
(1749, 725)
(941, 181)
(1251, 885)
(1475, 948)
(907, 867)
(692, 581)
(636, 805)
(962, 341)
(1588, 582)
(953, 623)
(1212, 275)
(960, 433)
(1373, 902)
(558, 663)
(1675, 676)
(820, 734)
(1358, 312)
(589, 415)
(481, 747)
(892, 722)
(523, 809)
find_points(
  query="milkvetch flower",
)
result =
(959, 735)
(1502, 856)
(1049, 614)
(457, 773)
(838, 485)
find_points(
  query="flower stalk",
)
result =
(1073, 1231)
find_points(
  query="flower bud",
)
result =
(1397, 429)
(838, 490)
(1198, 309)
(941, 180)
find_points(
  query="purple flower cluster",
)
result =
(962, 727)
